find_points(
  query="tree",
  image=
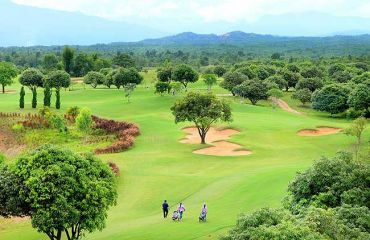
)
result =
(84, 120)
(337, 67)
(47, 95)
(64, 193)
(175, 87)
(209, 80)
(276, 56)
(219, 70)
(162, 87)
(359, 98)
(33, 79)
(356, 129)
(58, 79)
(50, 62)
(310, 83)
(109, 77)
(254, 90)
(201, 109)
(21, 98)
(164, 74)
(67, 59)
(231, 80)
(129, 89)
(361, 78)
(312, 72)
(279, 80)
(342, 76)
(185, 75)
(275, 93)
(94, 78)
(303, 95)
(331, 98)
(330, 182)
(291, 78)
(125, 76)
(247, 71)
(123, 60)
(7, 72)
(82, 64)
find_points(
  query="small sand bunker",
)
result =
(216, 138)
(319, 131)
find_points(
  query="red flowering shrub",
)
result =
(114, 168)
(125, 132)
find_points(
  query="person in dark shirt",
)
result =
(165, 208)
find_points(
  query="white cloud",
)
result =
(208, 10)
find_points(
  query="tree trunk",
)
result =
(202, 133)
(3, 89)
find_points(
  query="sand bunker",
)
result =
(216, 138)
(319, 131)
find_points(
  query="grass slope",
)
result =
(159, 167)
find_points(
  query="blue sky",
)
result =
(205, 11)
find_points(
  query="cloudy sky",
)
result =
(203, 10)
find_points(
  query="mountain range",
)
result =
(30, 26)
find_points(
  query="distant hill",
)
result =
(242, 38)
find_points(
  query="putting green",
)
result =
(160, 167)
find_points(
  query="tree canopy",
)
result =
(254, 90)
(185, 75)
(7, 72)
(201, 109)
(331, 98)
(62, 192)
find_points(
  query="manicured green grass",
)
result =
(159, 167)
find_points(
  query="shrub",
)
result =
(57, 122)
(18, 127)
(84, 120)
(72, 113)
(114, 168)
(21, 98)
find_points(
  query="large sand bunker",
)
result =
(319, 131)
(216, 138)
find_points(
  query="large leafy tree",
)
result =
(67, 59)
(33, 79)
(64, 193)
(310, 83)
(331, 98)
(50, 62)
(209, 80)
(303, 95)
(185, 75)
(7, 72)
(254, 90)
(58, 79)
(94, 78)
(219, 70)
(165, 74)
(291, 78)
(201, 109)
(233, 79)
(83, 64)
(359, 98)
(125, 76)
(123, 60)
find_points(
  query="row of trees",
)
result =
(33, 79)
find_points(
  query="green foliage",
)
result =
(7, 72)
(356, 129)
(67, 59)
(125, 76)
(209, 80)
(280, 82)
(94, 78)
(21, 98)
(47, 95)
(72, 113)
(337, 67)
(331, 183)
(275, 92)
(254, 90)
(219, 70)
(162, 87)
(129, 89)
(109, 78)
(57, 100)
(31, 78)
(164, 74)
(331, 98)
(185, 75)
(233, 79)
(58, 79)
(34, 98)
(175, 87)
(363, 78)
(201, 109)
(310, 83)
(50, 62)
(342, 76)
(247, 71)
(57, 122)
(291, 78)
(312, 72)
(18, 127)
(123, 60)
(82, 65)
(359, 98)
(304, 95)
(84, 120)
(63, 192)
